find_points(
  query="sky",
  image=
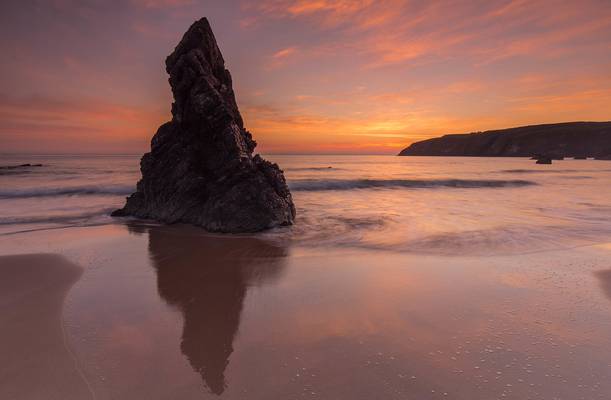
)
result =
(320, 76)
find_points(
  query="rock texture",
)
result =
(201, 169)
(591, 139)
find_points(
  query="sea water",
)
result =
(412, 204)
(402, 278)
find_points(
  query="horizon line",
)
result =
(140, 154)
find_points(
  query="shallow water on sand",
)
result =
(170, 312)
(429, 205)
(451, 279)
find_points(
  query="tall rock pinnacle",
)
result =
(201, 169)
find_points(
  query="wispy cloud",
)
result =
(400, 31)
(84, 123)
(281, 57)
(162, 3)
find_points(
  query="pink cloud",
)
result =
(162, 3)
(399, 31)
(281, 57)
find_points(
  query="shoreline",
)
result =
(37, 362)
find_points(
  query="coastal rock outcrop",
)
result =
(20, 166)
(544, 160)
(201, 169)
(555, 141)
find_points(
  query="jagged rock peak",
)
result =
(201, 169)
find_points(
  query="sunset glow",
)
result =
(317, 76)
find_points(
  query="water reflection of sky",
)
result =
(176, 313)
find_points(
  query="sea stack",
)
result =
(201, 169)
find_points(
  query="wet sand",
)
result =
(36, 362)
(173, 313)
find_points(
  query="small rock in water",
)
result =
(20, 166)
(544, 160)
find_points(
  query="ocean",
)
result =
(402, 278)
(456, 205)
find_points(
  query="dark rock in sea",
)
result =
(201, 169)
(20, 166)
(544, 160)
(580, 158)
(552, 157)
(551, 140)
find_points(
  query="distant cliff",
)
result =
(571, 139)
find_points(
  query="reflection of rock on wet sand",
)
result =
(207, 278)
(605, 281)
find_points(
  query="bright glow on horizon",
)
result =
(320, 76)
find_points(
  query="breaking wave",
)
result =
(66, 191)
(66, 218)
(537, 171)
(350, 184)
(554, 171)
(311, 169)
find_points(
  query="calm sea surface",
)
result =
(414, 204)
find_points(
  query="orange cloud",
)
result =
(397, 31)
(284, 53)
(35, 124)
(280, 130)
(388, 121)
(298, 8)
(281, 57)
